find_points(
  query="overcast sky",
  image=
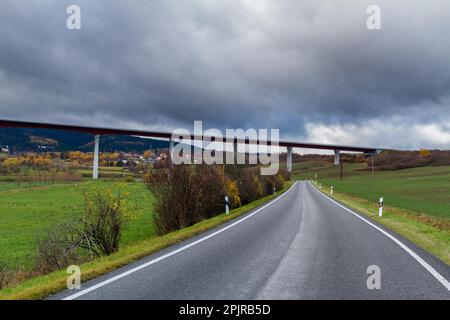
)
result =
(310, 68)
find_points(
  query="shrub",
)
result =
(171, 203)
(396, 160)
(57, 249)
(186, 195)
(234, 172)
(104, 217)
(424, 153)
(272, 183)
(232, 191)
(250, 187)
(209, 182)
(96, 233)
(285, 174)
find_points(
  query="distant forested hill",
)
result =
(20, 140)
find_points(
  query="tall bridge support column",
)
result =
(171, 152)
(96, 152)
(235, 151)
(337, 157)
(289, 159)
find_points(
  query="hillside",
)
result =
(21, 140)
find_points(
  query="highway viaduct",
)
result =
(98, 131)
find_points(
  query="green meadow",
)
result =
(423, 190)
(27, 212)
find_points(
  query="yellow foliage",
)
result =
(11, 164)
(232, 192)
(424, 153)
(148, 154)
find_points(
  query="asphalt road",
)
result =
(301, 246)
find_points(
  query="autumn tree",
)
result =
(11, 165)
(148, 154)
(424, 153)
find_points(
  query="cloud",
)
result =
(429, 136)
(293, 65)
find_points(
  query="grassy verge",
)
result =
(430, 233)
(43, 286)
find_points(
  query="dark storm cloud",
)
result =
(302, 66)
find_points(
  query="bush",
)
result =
(232, 191)
(397, 160)
(285, 174)
(186, 195)
(57, 249)
(209, 182)
(170, 188)
(103, 220)
(250, 187)
(96, 233)
(272, 183)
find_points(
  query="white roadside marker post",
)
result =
(227, 205)
(331, 190)
(380, 209)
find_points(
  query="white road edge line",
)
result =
(167, 255)
(424, 264)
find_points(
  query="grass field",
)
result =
(419, 190)
(110, 172)
(27, 212)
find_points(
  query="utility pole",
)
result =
(373, 168)
(342, 174)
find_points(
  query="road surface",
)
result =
(300, 246)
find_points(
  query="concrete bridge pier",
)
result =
(289, 159)
(235, 151)
(337, 157)
(172, 144)
(96, 156)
